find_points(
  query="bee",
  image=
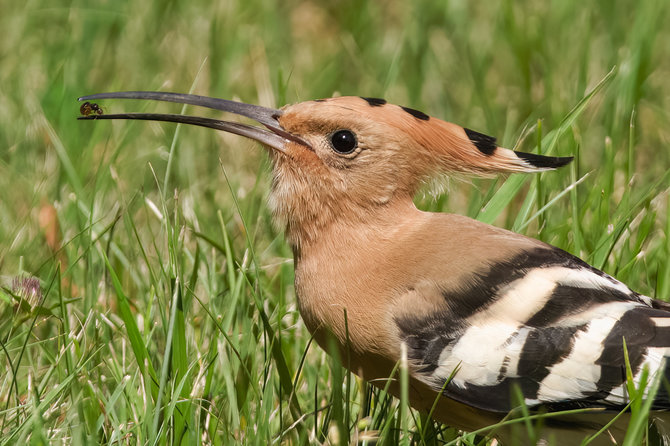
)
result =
(90, 107)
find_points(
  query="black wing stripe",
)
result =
(569, 300)
(544, 348)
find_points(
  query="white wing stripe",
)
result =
(522, 298)
(661, 321)
(481, 352)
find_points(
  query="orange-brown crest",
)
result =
(429, 143)
(396, 149)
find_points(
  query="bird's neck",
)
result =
(308, 206)
(328, 228)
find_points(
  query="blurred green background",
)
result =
(121, 221)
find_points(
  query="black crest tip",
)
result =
(485, 143)
(544, 162)
(416, 113)
(374, 102)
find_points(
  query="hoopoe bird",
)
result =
(480, 310)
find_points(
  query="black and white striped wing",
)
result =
(546, 322)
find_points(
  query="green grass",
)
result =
(166, 312)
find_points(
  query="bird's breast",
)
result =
(338, 294)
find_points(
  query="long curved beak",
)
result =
(275, 137)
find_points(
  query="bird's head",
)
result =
(345, 157)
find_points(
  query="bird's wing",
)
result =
(544, 322)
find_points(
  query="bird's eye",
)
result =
(343, 141)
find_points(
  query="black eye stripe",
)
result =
(343, 141)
